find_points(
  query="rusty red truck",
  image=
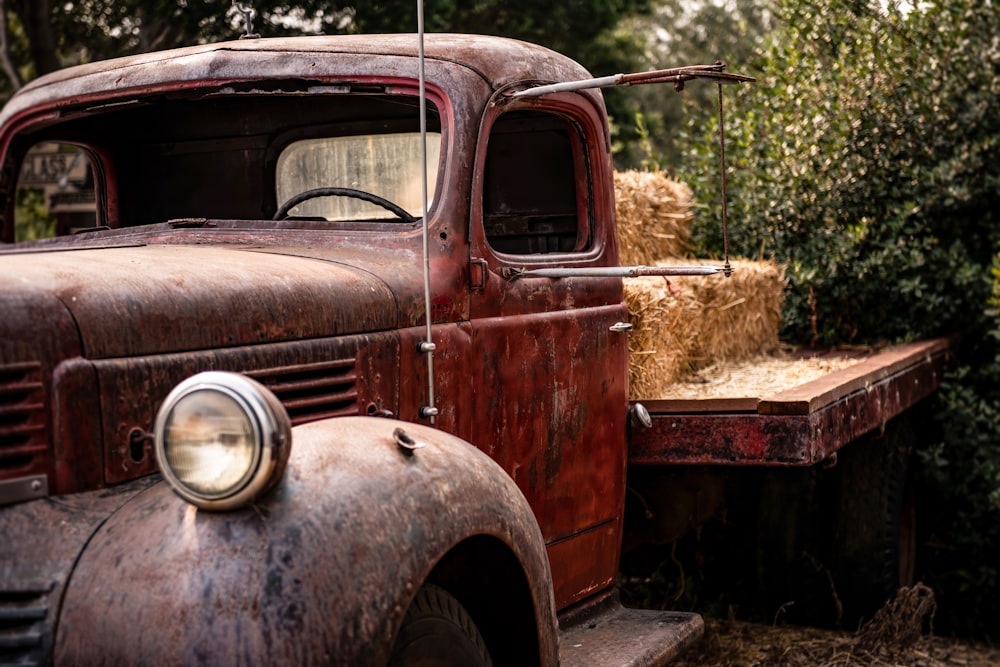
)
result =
(256, 407)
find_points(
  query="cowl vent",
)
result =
(311, 392)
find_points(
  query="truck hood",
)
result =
(151, 299)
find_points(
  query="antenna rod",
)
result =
(429, 411)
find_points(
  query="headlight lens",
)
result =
(211, 442)
(222, 440)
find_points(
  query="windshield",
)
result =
(387, 165)
(225, 154)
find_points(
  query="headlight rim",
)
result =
(271, 428)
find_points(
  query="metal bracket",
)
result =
(247, 13)
(23, 488)
(674, 75)
(405, 442)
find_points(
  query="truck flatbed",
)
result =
(802, 425)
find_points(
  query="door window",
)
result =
(55, 193)
(531, 202)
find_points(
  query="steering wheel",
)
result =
(283, 210)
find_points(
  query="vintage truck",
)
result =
(257, 408)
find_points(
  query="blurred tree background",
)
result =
(865, 159)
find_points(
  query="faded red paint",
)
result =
(329, 316)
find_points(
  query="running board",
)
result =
(607, 634)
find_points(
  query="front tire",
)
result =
(438, 632)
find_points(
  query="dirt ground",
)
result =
(896, 637)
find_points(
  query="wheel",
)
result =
(283, 210)
(874, 528)
(438, 632)
(793, 581)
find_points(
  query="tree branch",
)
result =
(38, 28)
(5, 58)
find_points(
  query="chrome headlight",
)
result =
(222, 440)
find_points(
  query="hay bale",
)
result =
(654, 217)
(687, 323)
(741, 314)
(664, 328)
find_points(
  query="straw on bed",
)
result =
(687, 323)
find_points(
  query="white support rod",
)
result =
(617, 271)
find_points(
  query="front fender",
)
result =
(42, 540)
(320, 571)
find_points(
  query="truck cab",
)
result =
(456, 430)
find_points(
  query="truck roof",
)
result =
(498, 61)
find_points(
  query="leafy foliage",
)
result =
(867, 159)
(32, 219)
(962, 473)
(673, 34)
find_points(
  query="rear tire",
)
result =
(438, 632)
(874, 527)
(793, 582)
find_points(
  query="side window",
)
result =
(55, 193)
(534, 190)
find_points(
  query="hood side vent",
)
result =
(23, 416)
(311, 392)
(22, 621)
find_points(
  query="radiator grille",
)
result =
(23, 416)
(22, 627)
(314, 391)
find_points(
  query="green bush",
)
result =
(962, 476)
(32, 219)
(867, 159)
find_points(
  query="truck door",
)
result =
(550, 385)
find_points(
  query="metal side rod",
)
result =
(727, 268)
(675, 75)
(615, 271)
